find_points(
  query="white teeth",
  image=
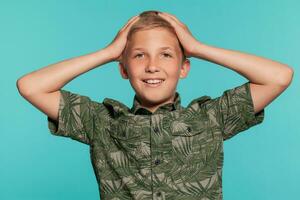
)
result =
(153, 81)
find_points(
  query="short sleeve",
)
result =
(235, 111)
(75, 117)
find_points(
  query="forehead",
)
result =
(153, 38)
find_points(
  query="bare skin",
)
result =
(154, 54)
(268, 78)
(41, 87)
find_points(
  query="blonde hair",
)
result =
(150, 20)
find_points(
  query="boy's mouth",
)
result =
(153, 82)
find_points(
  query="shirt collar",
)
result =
(138, 109)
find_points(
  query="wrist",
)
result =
(107, 53)
(102, 56)
(200, 49)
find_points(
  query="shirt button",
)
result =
(158, 194)
(155, 129)
(189, 129)
(157, 161)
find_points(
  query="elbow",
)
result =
(287, 77)
(21, 86)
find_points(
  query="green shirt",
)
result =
(173, 153)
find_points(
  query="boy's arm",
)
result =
(268, 78)
(42, 87)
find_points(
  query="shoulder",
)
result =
(232, 94)
(199, 102)
(85, 104)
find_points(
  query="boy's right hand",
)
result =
(116, 47)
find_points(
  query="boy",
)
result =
(157, 149)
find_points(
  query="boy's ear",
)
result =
(123, 70)
(185, 68)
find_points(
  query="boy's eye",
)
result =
(138, 55)
(167, 55)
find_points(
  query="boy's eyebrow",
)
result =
(163, 48)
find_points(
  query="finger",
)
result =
(131, 21)
(171, 17)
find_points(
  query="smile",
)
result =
(153, 83)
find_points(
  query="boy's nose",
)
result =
(151, 68)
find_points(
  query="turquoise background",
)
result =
(261, 163)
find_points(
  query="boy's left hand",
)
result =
(185, 37)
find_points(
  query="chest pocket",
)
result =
(197, 134)
(188, 129)
(124, 131)
(184, 140)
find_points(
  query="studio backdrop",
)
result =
(261, 163)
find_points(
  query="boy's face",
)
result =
(154, 54)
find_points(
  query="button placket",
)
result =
(157, 156)
(157, 160)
